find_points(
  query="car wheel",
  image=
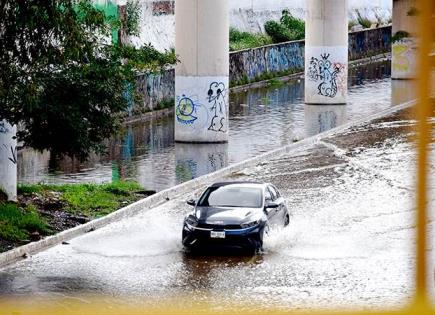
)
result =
(287, 220)
(258, 242)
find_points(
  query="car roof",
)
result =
(240, 183)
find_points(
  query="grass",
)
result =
(244, 40)
(17, 223)
(364, 22)
(275, 82)
(92, 200)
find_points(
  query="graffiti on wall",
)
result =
(216, 97)
(186, 110)
(3, 127)
(329, 75)
(12, 153)
(163, 7)
(403, 52)
(201, 108)
(11, 149)
(216, 161)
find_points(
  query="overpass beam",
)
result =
(201, 76)
(326, 52)
(404, 39)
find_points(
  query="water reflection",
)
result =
(320, 118)
(261, 119)
(403, 90)
(194, 159)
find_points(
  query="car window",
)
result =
(267, 195)
(231, 196)
(272, 193)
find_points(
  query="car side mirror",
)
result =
(271, 205)
(191, 202)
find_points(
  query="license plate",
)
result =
(216, 234)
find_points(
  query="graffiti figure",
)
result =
(184, 111)
(402, 55)
(3, 128)
(216, 96)
(324, 71)
(13, 157)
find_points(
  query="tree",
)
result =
(62, 80)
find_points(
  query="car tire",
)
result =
(286, 220)
(257, 242)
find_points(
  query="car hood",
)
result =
(227, 215)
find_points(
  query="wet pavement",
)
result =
(350, 240)
(276, 115)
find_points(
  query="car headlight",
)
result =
(249, 224)
(191, 220)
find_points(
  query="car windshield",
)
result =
(231, 196)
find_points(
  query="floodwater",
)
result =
(260, 120)
(349, 244)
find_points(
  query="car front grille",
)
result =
(219, 227)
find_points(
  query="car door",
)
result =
(280, 212)
(270, 212)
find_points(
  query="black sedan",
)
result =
(235, 214)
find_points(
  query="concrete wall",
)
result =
(261, 63)
(250, 15)
(264, 63)
(158, 21)
(363, 44)
(155, 89)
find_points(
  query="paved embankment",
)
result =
(350, 241)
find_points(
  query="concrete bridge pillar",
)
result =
(404, 41)
(326, 52)
(197, 159)
(8, 160)
(201, 76)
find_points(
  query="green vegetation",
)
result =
(244, 40)
(364, 22)
(62, 79)
(165, 104)
(43, 209)
(398, 36)
(91, 200)
(275, 82)
(17, 223)
(266, 76)
(413, 11)
(351, 24)
(287, 29)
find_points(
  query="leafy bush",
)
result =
(399, 35)
(244, 40)
(287, 29)
(364, 22)
(294, 25)
(277, 31)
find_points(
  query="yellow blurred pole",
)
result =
(423, 112)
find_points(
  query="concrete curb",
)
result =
(157, 199)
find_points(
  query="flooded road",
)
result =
(260, 120)
(349, 243)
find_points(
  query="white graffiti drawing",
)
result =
(216, 96)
